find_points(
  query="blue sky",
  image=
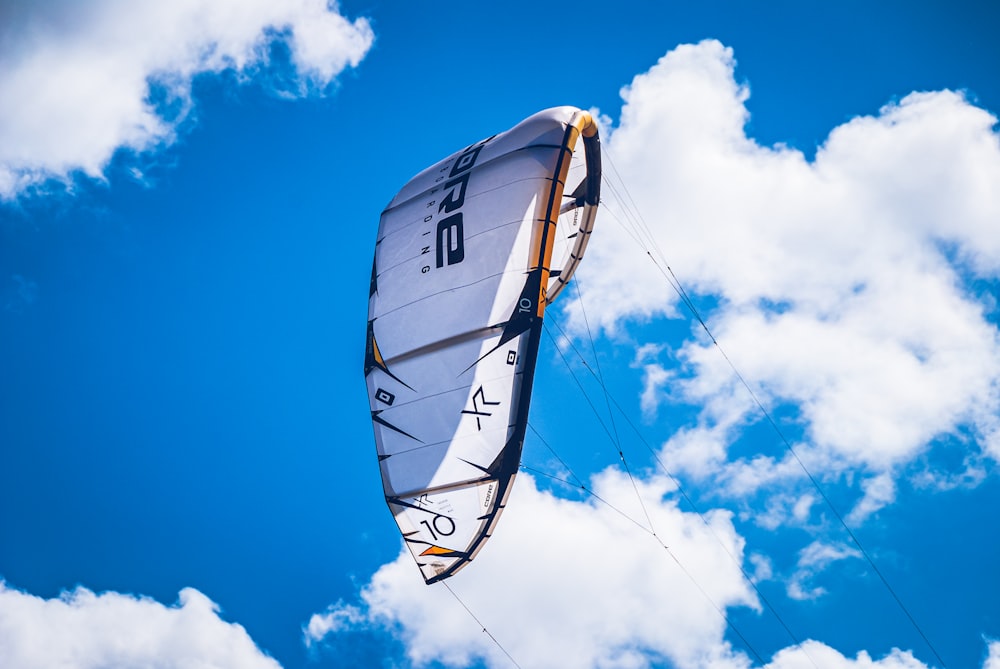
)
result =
(189, 197)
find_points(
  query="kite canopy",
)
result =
(462, 274)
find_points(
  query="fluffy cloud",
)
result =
(584, 586)
(841, 286)
(813, 654)
(993, 656)
(82, 80)
(84, 630)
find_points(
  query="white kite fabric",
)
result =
(461, 278)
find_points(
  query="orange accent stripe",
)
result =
(437, 550)
(377, 353)
(547, 208)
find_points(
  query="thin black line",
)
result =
(611, 414)
(649, 530)
(680, 489)
(675, 283)
(485, 631)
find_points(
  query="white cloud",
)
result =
(782, 509)
(572, 584)
(763, 570)
(655, 377)
(84, 630)
(840, 284)
(879, 491)
(993, 656)
(811, 654)
(336, 618)
(813, 559)
(80, 81)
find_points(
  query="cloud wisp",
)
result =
(82, 81)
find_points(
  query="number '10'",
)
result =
(440, 526)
